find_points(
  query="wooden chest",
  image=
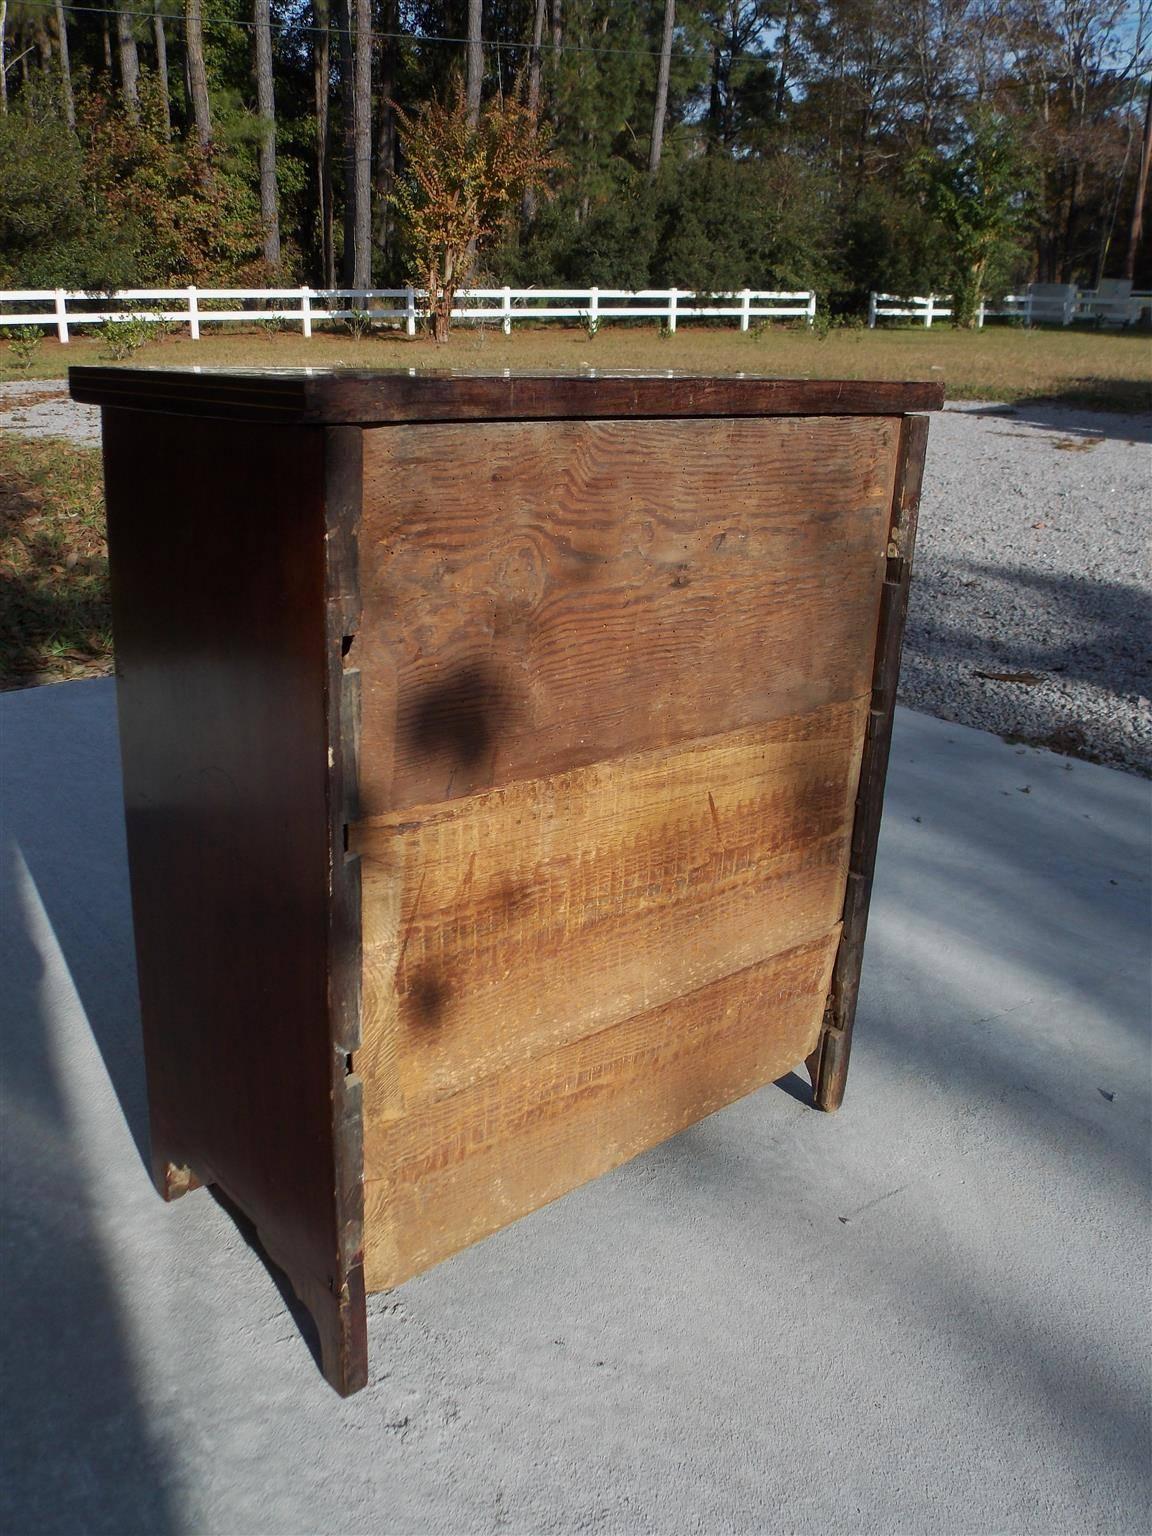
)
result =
(503, 764)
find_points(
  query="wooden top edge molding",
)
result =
(328, 397)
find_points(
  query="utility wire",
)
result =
(336, 31)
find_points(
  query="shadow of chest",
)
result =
(503, 762)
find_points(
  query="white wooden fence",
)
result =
(1043, 304)
(65, 309)
(934, 306)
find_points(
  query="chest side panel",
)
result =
(615, 680)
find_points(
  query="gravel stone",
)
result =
(1032, 559)
(41, 408)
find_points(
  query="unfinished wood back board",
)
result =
(503, 766)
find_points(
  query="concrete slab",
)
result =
(927, 1313)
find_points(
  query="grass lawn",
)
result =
(54, 618)
(1087, 367)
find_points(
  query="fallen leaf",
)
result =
(1029, 678)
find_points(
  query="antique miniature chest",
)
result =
(503, 764)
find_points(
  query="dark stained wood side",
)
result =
(223, 603)
(353, 396)
(828, 1065)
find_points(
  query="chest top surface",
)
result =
(331, 397)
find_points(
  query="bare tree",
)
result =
(266, 106)
(129, 60)
(475, 60)
(65, 65)
(660, 110)
(161, 64)
(197, 73)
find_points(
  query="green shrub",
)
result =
(23, 345)
(124, 335)
(358, 324)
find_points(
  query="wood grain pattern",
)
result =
(590, 589)
(346, 395)
(506, 924)
(451, 1174)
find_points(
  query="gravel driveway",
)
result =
(1032, 569)
(1033, 563)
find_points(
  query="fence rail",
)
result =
(931, 307)
(196, 307)
(1047, 304)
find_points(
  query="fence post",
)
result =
(62, 316)
(871, 311)
(507, 312)
(672, 292)
(928, 311)
(811, 316)
(306, 312)
(410, 310)
(745, 306)
(980, 316)
(594, 309)
(193, 315)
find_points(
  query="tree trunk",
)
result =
(266, 106)
(1137, 229)
(107, 46)
(475, 60)
(660, 110)
(356, 61)
(528, 205)
(197, 73)
(65, 65)
(348, 114)
(557, 31)
(162, 64)
(129, 62)
(784, 62)
(714, 98)
(384, 177)
(3, 62)
(363, 144)
(322, 79)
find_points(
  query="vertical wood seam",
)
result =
(829, 1062)
(343, 460)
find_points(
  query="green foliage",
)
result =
(975, 194)
(52, 235)
(788, 140)
(23, 345)
(358, 324)
(117, 204)
(462, 183)
(124, 335)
